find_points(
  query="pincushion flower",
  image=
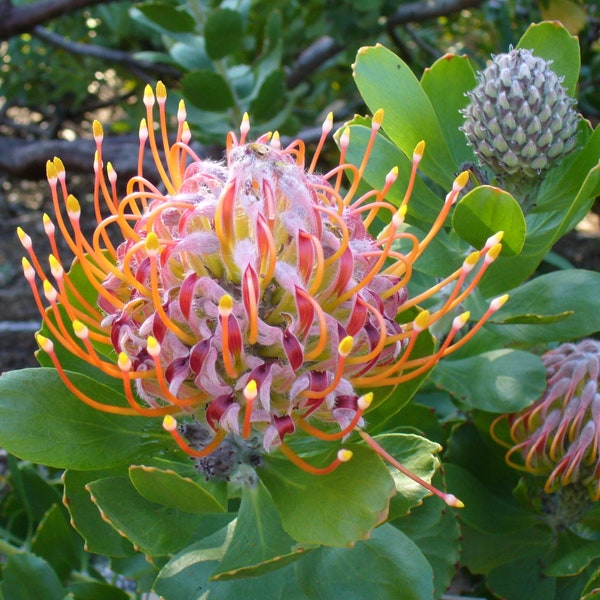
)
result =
(246, 298)
(558, 436)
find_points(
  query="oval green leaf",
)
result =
(387, 566)
(387, 82)
(485, 211)
(223, 32)
(168, 488)
(259, 543)
(99, 536)
(41, 421)
(574, 561)
(551, 41)
(483, 510)
(54, 532)
(26, 576)
(207, 90)
(446, 83)
(499, 381)
(155, 529)
(573, 291)
(351, 501)
(167, 17)
(270, 97)
(418, 455)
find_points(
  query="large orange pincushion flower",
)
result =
(247, 297)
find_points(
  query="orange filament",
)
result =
(250, 393)
(449, 499)
(124, 364)
(363, 404)
(325, 129)
(342, 457)
(170, 425)
(47, 346)
(153, 348)
(344, 348)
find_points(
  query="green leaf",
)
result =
(170, 489)
(434, 529)
(207, 90)
(424, 205)
(351, 500)
(375, 568)
(94, 590)
(499, 381)
(446, 83)
(190, 54)
(418, 455)
(485, 211)
(54, 533)
(270, 97)
(41, 421)
(259, 543)
(572, 291)
(551, 41)
(562, 186)
(386, 564)
(482, 552)
(537, 319)
(189, 571)
(386, 82)
(574, 562)
(99, 536)
(139, 568)
(155, 529)
(389, 401)
(26, 576)
(523, 579)
(167, 16)
(483, 510)
(582, 201)
(34, 491)
(223, 32)
(592, 587)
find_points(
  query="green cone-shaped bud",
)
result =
(520, 120)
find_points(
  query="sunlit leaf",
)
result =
(41, 421)
(498, 381)
(551, 41)
(485, 211)
(386, 82)
(351, 500)
(446, 83)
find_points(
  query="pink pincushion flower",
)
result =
(246, 296)
(558, 436)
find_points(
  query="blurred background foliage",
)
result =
(285, 63)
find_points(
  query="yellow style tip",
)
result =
(225, 305)
(169, 423)
(344, 455)
(161, 91)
